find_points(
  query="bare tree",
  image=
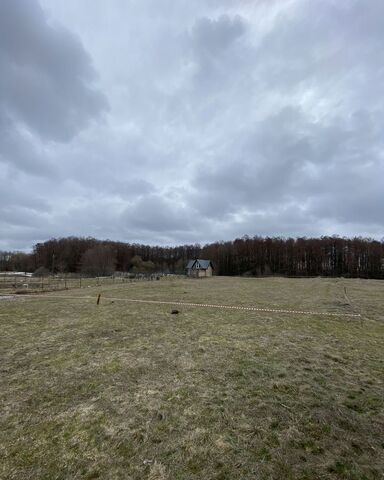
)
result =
(99, 260)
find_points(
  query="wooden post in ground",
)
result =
(98, 299)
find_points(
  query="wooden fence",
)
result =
(23, 284)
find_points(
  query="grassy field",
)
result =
(124, 390)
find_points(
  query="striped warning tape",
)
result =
(207, 305)
(253, 309)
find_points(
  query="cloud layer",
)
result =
(160, 123)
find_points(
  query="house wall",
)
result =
(205, 273)
(192, 272)
(200, 272)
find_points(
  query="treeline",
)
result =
(97, 257)
(326, 256)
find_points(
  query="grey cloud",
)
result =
(157, 214)
(225, 119)
(47, 94)
(46, 74)
(217, 54)
(335, 171)
(18, 150)
(12, 197)
(328, 46)
(260, 166)
(21, 216)
(214, 36)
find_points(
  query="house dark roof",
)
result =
(190, 263)
(204, 264)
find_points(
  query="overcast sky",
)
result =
(166, 122)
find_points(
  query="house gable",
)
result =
(200, 265)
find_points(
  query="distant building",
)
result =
(199, 268)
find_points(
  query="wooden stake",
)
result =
(98, 299)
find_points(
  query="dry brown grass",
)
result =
(129, 391)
